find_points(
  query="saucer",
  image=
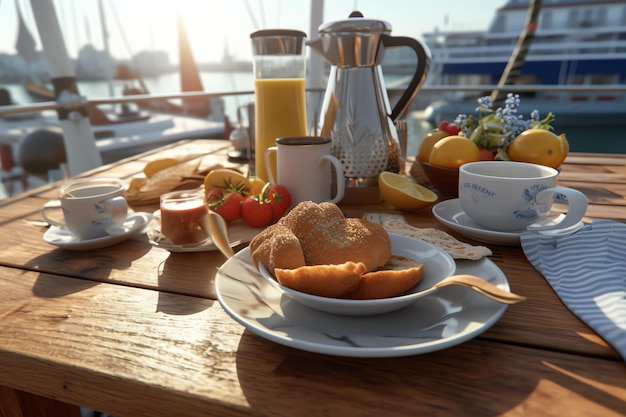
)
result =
(450, 213)
(238, 232)
(61, 237)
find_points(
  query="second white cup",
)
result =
(91, 207)
(304, 169)
(508, 196)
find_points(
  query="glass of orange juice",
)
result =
(279, 85)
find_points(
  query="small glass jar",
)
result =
(181, 216)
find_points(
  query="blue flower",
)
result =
(498, 127)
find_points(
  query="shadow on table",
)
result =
(91, 267)
(179, 274)
(476, 378)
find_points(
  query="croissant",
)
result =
(317, 250)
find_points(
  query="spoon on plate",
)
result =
(215, 226)
(480, 286)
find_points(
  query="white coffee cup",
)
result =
(509, 196)
(91, 207)
(304, 169)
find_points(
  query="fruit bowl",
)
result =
(445, 180)
(438, 265)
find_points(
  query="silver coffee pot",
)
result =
(356, 113)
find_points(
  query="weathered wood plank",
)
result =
(15, 403)
(135, 352)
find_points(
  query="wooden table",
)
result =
(134, 330)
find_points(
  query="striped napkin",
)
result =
(587, 270)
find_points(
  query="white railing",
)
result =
(53, 105)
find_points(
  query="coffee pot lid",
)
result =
(355, 23)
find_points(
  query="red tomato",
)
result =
(215, 194)
(453, 129)
(256, 213)
(280, 201)
(486, 155)
(227, 205)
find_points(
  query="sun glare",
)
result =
(213, 30)
(142, 25)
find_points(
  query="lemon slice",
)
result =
(404, 194)
(225, 178)
(256, 185)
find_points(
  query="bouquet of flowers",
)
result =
(493, 130)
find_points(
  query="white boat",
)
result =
(119, 132)
(116, 140)
(575, 66)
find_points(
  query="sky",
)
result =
(212, 25)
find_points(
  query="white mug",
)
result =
(91, 207)
(304, 169)
(508, 196)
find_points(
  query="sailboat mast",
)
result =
(80, 143)
(316, 64)
(105, 38)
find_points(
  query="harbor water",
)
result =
(598, 139)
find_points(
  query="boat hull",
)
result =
(570, 109)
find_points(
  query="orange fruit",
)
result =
(538, 146)
(454, 151)
(402, 193)
(427, 143)
(565, 143)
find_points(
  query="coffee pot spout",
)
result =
(326, 48)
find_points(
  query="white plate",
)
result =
(447, 318)
(450, 213)
(63, 238)
(238, 232)
(438, 265)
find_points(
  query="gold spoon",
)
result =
(480, 286)
(215, 226)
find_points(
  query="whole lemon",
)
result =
(454, 151)
(565, 143)
(427, 143)
(538, 146)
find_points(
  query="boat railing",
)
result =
(560, 49)
(528, 88)
(69, 105)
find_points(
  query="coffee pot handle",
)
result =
(423, 62)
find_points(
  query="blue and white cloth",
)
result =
(587, 270)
